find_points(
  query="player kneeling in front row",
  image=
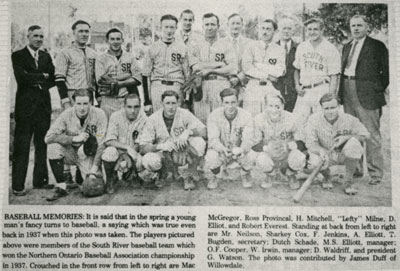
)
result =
(68, 140)
(275, 133)
(337, 131)
(230, 135)
(122, 152)
(172, 137)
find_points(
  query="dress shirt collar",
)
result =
(32, 52)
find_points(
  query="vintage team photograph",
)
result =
(177, 103)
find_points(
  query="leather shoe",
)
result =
(58, 193)
(46, 186)
(19, 193)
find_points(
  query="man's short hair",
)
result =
(79, 22)
(327, 97)
(228, 92)
(168, 17)
(234, 15)
(315, 20)
(210, 15)
(34, 27)
(363, 17)
(275, 26)
(274, 95)
(187, 11)
(83, 92)
(169, 93)
(131, 96)
(114, 30)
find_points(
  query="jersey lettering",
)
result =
(176, 57)
(272, 61)
(126, 67)
(286, 135)
(219, 57)
(178, 131)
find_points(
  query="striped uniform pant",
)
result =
(111, 105)
(253, 100)
(157, 89)
(211, 99)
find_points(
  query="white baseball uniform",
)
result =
(206, 52)
(76, 67)
(168, 65)
(316, 64)
(68, 125)
(121, 129)
(259, 61)
(229, 134)
(108, 64)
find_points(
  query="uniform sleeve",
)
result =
(147, 63)
(248, 134)
(358, 128)
(186, 65)
(214, 133)
(334, 61)
(193, 122)
(100, 67)
(136, 72)
(56, 133)
(61, 66)
(279, 69)
(148, 135)
(297, 58)
(311, 134)
(112, 130)
(101, 127)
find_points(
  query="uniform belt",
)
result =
(214, 77)
(262, 83)
(316, 84)
(168, 83)
(39, 86)
(349, 77)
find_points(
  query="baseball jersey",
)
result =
(190, 39)
(239, 45)
(236, 133)
(283, 130)
(69, 124)
(108, 64)
(218, 51)
(76, 67)
(316, 64)
(261, 60)
(124, 130)
(155, 131)
(167, 62)
(320, 132)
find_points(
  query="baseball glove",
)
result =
(179, 157)
(192, 86)
(277, 150)
(90, 146)
(108, 85)
(93, 186)
(125, 165)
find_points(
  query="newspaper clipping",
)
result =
(199, 135)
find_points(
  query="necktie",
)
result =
(36, 57)
(286, 48)
(185, 38)
(351, 55)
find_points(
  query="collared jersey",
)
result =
(69, 124)
(236, 133)
(239, 47)
(316, 64)
(155, 131)
(76, 67)
(260, 60)
(167, 62)
(123, 130)
(320, 132)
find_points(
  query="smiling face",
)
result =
(267, 31)
(286, 28)
(314, 31)
(187, 21)
(81, 34)
(358, 27)
(331, 110)
(115, 41)
(168, 28)
(132, 108)
(274, 108)
(35, 38)
(235, 25)
(210, 27)
(82, 105)
(230, 104)
(170, 104)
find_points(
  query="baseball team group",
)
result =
(211, 109)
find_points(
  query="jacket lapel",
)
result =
(29, 58)
(363, 50)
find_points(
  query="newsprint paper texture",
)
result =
(229, 227)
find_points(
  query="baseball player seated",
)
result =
(341, 132)
(122, 152)
(172, 139)
(230, 137)
(276, 134)
(67, 139)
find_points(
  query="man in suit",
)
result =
(34, 73)
(285, 83)
(365, 76)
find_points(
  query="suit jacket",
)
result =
(288, 78)
(33, 88)
(372, 73)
